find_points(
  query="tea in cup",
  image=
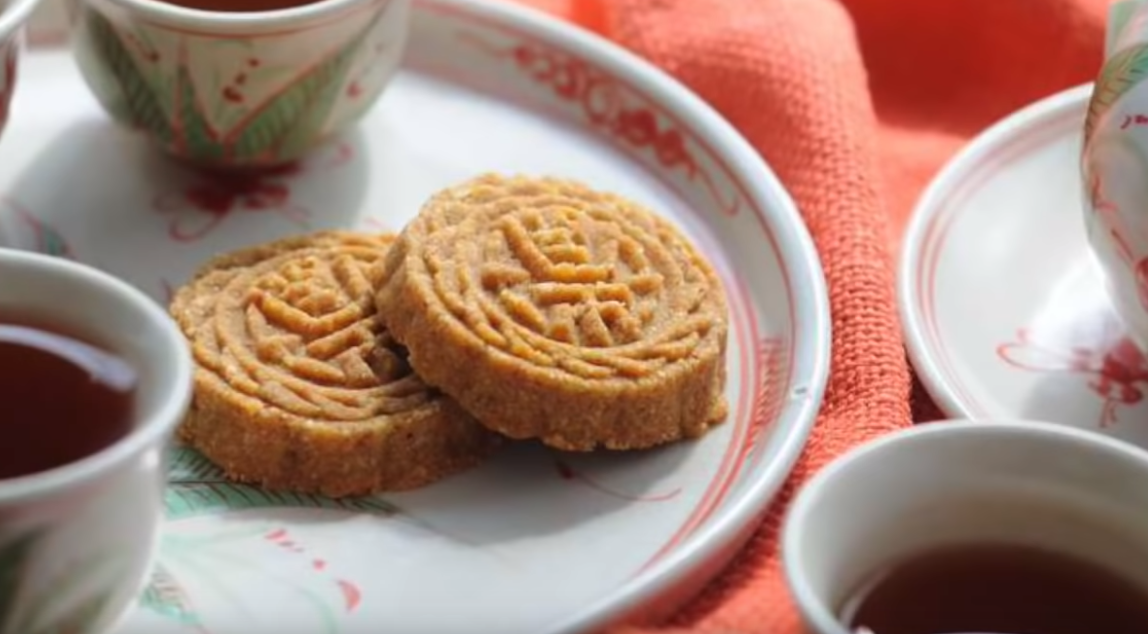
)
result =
(974, 528)
(94, 378)
(238, 84)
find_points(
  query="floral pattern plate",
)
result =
(533, 541)
(1004, 307)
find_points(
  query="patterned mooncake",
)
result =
(553, 311)
(300, 387)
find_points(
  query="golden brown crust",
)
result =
(298, 386)
(552, 311)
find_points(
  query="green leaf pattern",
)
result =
(291, 117)
(13, 558)
(285, 124)
(197, 487)
(52, 243)
(137, 99)
(1122, 72)
(196, 137)
(81, 618)
(1120, 14)
(280, 128)
(167, 598)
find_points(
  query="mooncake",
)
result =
(299, 386)
(553, 311)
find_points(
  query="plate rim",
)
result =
(702, 555)
(729, 529)
(922, 355)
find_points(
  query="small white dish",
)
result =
(531, 542)
(1004, 307)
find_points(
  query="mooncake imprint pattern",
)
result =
(554, 311)
(298, 384)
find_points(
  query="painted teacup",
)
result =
(1114, 166)
(238, 89)
(77, 541)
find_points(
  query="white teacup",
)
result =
(76, 541)
(955, 483)
(235, 89)
(1114, 166)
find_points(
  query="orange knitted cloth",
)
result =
(855, 104)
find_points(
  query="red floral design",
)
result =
(1111, 218)
(566, 472)
(1118, 374)
(352, 595)
(609, 105)
(767, 399)
(354, 89)
(204, 205)
(146, 50)
(1140, 273)
(1133, 120)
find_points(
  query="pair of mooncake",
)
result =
(526, 308)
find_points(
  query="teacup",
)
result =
(1114, 166)
(77, 540)
(13, 16)
(959, 483)
(230, 90)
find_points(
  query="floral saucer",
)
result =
(1004, 307)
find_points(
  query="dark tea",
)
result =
(997, 589)
(240, 6)
(61, 398)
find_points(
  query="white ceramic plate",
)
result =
(1004, 307)
(532, 542)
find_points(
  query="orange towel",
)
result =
(856, 104)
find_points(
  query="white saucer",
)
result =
(1004, 307)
